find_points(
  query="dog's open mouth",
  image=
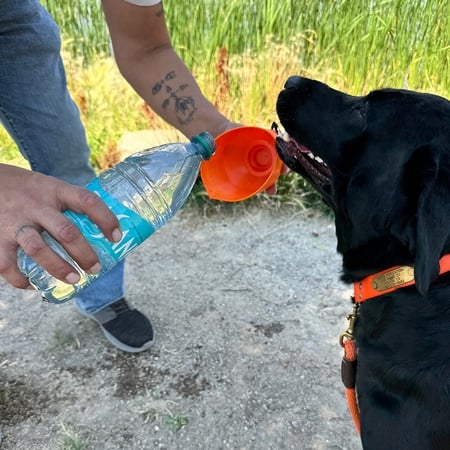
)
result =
(301, 160)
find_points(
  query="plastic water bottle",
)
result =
(144, 191)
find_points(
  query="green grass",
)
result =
(175, 422)
(242, 52)
(69, 439)
(369, 43)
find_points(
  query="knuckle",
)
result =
(89, 199)
(33, 245)
(68, 232)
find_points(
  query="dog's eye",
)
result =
(360, 109)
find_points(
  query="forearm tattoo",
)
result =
(183, 105)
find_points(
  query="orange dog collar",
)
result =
(390, 280)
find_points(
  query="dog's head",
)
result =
(382, 162)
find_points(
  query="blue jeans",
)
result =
(37, 111)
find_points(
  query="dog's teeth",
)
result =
(285, 136)
(311, 156)
(319, 160)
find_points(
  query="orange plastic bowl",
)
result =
(245, 163)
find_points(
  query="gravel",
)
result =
(247, 309)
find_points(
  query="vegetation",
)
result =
(69, 439)
(242, 52)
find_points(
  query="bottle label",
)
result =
(134, 228)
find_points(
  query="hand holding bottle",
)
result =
(31, 203)
(144, 191)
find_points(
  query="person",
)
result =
(40, 115)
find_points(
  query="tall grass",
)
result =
(369, 43)
(242, 52)
(82, 25)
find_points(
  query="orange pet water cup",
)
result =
(245, 163)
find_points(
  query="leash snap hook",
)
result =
(349, 333)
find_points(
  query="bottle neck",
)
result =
(205, 143)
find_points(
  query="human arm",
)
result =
(147, 60)
(30, 203)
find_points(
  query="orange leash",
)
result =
(348, 367)
(372, 286)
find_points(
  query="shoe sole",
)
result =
(121, 346)
(113, 340)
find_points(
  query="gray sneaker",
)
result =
(126, 328)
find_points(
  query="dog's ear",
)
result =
(433, 215)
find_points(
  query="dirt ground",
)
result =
(247, 309)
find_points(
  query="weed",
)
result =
(149, 415)
(64, 338)
(175, 422)
(156, 408)
(71, 440)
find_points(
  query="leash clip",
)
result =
(349, 332)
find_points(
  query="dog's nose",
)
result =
(293, 82)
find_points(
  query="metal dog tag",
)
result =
(393, 278)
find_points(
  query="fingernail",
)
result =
(72, 278)
(117, 235)
(95, 268)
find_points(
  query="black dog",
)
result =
(382, 163)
